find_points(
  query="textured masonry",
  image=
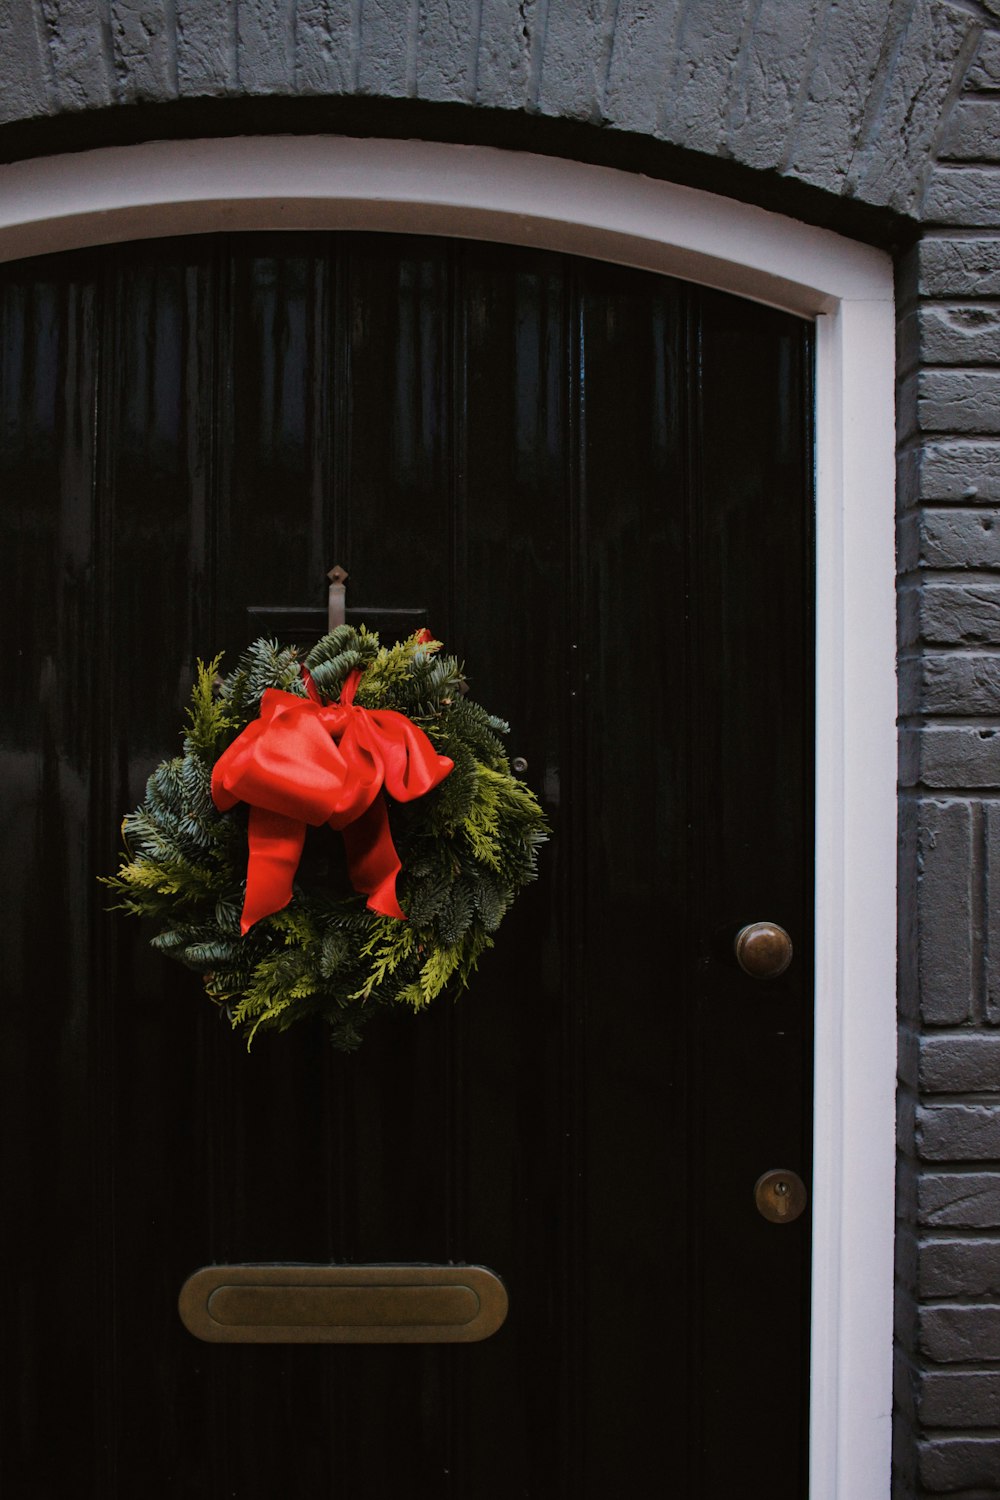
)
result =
(948, 1321)
(877, 117)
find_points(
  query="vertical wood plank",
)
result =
(52, 1148)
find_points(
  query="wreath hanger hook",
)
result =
(337, 598)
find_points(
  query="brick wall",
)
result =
(948, 1320)
(880, 118)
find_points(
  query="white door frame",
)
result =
(169, 188)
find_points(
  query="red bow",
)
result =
(305, 762)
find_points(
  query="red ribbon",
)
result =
(305, 762)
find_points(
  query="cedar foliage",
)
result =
(466, 849)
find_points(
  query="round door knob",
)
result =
(763, 950)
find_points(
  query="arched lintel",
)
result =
(166, 188)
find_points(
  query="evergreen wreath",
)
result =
(465, 847)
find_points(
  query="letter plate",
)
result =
(291, 1304)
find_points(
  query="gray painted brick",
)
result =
(387, 50)
(953, 1200)
(325, 46)
(144, 43)
(961, 469)
(963, 196)
(973, 132)
(950, 267)
(909, 876)
(907, 403)
(774, 59)
(960, 683)
(952, 1335)
(968, 334)
(906, 277)
(910, 462)
(24, 79)
(946, 756)
(837, 92)
(641, 66)
(959, 1398)
(907, 1183)
(991, 900)
(508, 34)
(984, 74)
(950, 539)
(907, 342)
(943, 910)
(892, 167)
(958, 1132)
(946, 1465)
(447, 35)
(959, 400)
(574, 60)
(904, 1382)
(908, 1058)
(958, 1268)
(906, 1118)
(959, 1065)
(206, 48)
(79, 47)
(951, 614)
(264, 46)
(904, 1462)
(696, 102)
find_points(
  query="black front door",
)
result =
(598, 484)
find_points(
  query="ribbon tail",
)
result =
(372, 860)
(275, 849)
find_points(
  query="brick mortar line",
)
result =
(948, 1168)
(967, 1300)
(949, 795)
(914, 577)
(935, 1234)
(927, 792)
(976, 162)
(920, 720)
(942, 301)
(988, 1099)
(922, 365)
(948, 1032)
(957, 440)
(946, 234)
(937, 367)
(917, 435)
(965, 1099)
(910, 654)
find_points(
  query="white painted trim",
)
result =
(167, 188)
(417, 187)
(854, 1151)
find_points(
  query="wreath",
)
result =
(316, 801)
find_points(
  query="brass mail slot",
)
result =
(292, 1304)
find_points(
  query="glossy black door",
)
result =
(598, 482)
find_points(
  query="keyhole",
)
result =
(780, 1196)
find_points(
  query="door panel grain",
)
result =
(598, 484)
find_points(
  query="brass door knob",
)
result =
(763, 950)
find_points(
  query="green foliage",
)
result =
(466, 849)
